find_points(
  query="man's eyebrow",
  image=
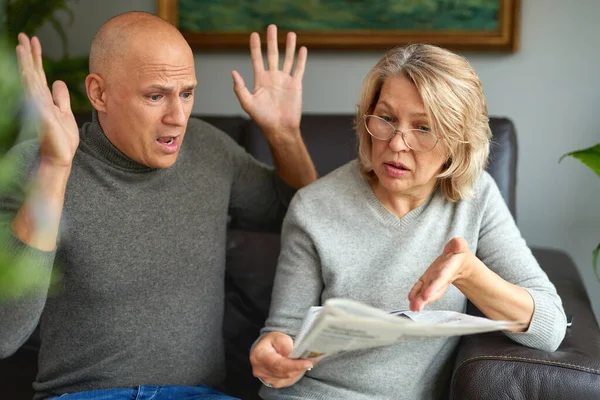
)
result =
(164, 88)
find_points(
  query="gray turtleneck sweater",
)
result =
(142, 258)
(338, 240)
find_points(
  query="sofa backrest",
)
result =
(331, 142)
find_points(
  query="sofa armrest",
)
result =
(491, 366)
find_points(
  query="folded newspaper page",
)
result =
(343, 324)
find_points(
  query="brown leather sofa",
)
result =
(487, 366)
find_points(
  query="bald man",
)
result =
(142, 213)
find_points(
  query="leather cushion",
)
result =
(571, 372)
(250, 271)
(503, 159)
(330, 140)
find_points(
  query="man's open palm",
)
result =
(57, 131)
(276, 102)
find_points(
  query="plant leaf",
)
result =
(589, 156)
(20, 18)
(72, 71)
(10, 87)
(61, 33)
(595, 259)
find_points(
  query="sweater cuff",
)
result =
(15, 248)
(547, 327)
(25, 268)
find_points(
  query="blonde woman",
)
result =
(415, 222)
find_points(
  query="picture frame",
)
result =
(504, 37)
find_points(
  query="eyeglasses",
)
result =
(421, 140)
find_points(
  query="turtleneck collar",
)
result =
(93, 137)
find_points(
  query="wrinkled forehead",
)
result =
(157, 46)
(159, 59)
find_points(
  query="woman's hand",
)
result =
(453, 265)
(271, 364)
(495, 297)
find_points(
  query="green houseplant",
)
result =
(18, 276)
(591, 158)
(28, 16)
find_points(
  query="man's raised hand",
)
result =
(57, 129)
(275, 104)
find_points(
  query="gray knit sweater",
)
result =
(142, 254)
(340, 241)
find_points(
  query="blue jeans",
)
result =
(200, 392)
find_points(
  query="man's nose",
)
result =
(176, 114)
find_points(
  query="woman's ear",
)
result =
(95, 88)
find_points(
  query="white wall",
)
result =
(550, 89)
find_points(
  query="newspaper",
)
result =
(343, 324)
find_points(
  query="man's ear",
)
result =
(95, 88)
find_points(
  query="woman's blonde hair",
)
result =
(454, 102)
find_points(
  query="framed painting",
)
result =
(490, 25)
